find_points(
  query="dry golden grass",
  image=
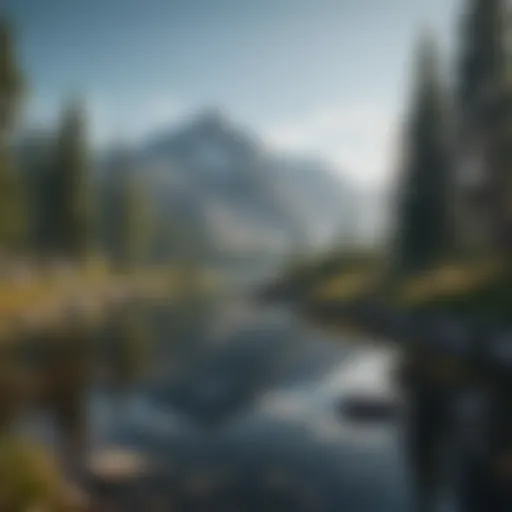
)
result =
(43, 297)
(344, 286)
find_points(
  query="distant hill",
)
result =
(244, 198)
(221, 186)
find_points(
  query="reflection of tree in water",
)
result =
(15, 385)
(129, 344)
(65, 374)
(47, 371)
(183, 321)
(188, 303)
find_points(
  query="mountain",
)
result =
(223, 185)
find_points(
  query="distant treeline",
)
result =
(52, 203)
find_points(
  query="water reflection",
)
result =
(224, 406)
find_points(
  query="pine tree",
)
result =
(12, 214)
(35, 161)
(484, 59)
(11, 82)
(499, 170)
(127, 229)
(483, 126)
(71, 188)
(424, 225)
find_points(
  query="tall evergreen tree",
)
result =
(12, 214)
(483, 59)
(126, 226)
(73, 230)
(424, 225)
(499, 169)
(484, 117)
(11, 82)
(35, 153)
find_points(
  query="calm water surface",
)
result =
(238, 409)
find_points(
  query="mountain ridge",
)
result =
(277, 201)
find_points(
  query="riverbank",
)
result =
(456, 314)
(38, 299)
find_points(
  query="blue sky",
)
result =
(322, 76)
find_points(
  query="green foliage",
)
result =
(424, 273)
(37, 166)
(484, 61)
(127, 227)
(11, 81)
(12, 214)
(484, 102)
(298, 279)
(424, 225)
(488, 297)
(70, 187)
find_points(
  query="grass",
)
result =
(448, 282)
(473, 289)
(344, 287)
(482, 288)
(29, 478)
(43, 297)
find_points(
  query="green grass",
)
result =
(475, 288)
(481, 287)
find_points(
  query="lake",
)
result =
(238, 407)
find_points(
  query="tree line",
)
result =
(452, 204)
(455, 193)
(51, 204)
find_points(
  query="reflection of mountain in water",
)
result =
(226, 368)
(273, 388)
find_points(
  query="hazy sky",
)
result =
(324, 76)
